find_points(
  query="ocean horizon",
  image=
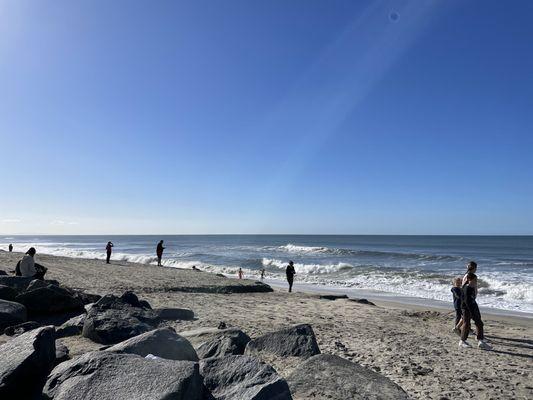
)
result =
(419, 266)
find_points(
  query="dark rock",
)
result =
(2, 272)
(25, 362)
(112, 319)
(145, 304)
(174, 314)
(36, 284)
(326, 376)
(49, 299)
(72, 327)
(363, 301)
(213, 342)
(19, 283)
(162, 342)
(222, 325)
(242, 377)
(332, 296)
(62, 352)
(86, 298)
(7, 293)
(295, 341)
(105, 375)
(131, 298)
(11, 313)
(19, 329)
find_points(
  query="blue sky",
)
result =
(403, 117)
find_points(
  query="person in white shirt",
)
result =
(29, 268)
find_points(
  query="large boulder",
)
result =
(48, 299)
(295, 341)
(174, 314)
(162, 342)
(113, 319)
(71, 327)
(242, 377)
(11, 313)
(19, 283)
(7, 293)
(214, 342)
(19, 329)
(111, 376)
(326, 376)
(25, 362)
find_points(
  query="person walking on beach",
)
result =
(457, 294)
(262, 273)
(159, 252)
(290, 274)
(471, 311)
(240, 273)
(471, 267)
(10, 247)
(29, 268)
(108, 250)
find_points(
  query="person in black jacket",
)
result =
(457, 296)
(290, 274)
(471, 311)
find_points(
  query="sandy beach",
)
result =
(411, 345)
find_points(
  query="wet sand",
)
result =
(411, 344)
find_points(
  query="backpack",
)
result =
(17, 270)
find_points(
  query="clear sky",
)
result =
(330, 116)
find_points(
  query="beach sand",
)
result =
(411, 345)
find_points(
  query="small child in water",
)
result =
(457, 297)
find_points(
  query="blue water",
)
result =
(419, 266)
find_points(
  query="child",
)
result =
(471, 311)
(457, 296)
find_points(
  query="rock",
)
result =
(174, 314)
(2, 272)
(222, 325)
(214, 342)
(145, 304)
(162, 342)
(363, 301)
(25, 362)
(108, 376)
(62, 352)
(295, 341)
(332, 296)
(36, 284)
(326, 376)
(131, 298)
(19, 283)
(242, 377)
(7, 293)
(11, 313)
(49, 299)
(112, 319)
(19, 329)
(86, 298)
(72, 327)
(88, 307)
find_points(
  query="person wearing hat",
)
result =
(29, 268)
(290, 274)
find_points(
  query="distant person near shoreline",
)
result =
(27, 267)
(10, 247)
(290, 272)
(159, 252)
(262, 273)
(108, 250)
(241, 274)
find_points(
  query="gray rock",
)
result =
(36, 284)
(214, 342)
(174, 314)
(19, 329)
(242, 377)
(112, 319)
(62, 352)
(72, 327)
(111, 376)
(326, 376)
(332, 296)
(363, 301)
(25, 362)
(19, 283)
(7, 293)
(49, 299)
(2, 272)
(11, 313)
(295, 341)
(86, 298)
(162, 342)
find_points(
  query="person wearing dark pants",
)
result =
(457, 296)
(471, 311)
(159, 252)
(290, 274)
(108, 250)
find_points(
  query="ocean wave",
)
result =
(308, 268)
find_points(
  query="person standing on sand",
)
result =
(471, 311)
(159, 252)
(471, 267)
(290, 271)
(262, 273)
(108, 250)
(240, 273)
(10, 247)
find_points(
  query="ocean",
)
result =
(415, 266)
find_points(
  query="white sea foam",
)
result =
(292, 248)
(308, 268)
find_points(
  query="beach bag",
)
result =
(17, 270)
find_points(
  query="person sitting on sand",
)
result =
(159, 252)
(10, 247)
(241, 274)
(290, 272)
(471, 311)
(457, 296)
(108, 250)
(29, 268)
